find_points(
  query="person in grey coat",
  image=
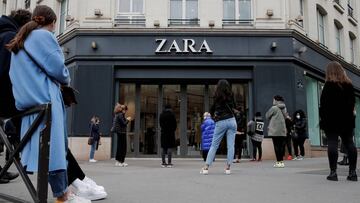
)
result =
(277, 129)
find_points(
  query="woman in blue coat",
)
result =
(207, 131)
(31, 87)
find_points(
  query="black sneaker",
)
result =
(332, 176)
(10, 176)
(163, 165)
(352, 176)
(170, 165)
(4, 181)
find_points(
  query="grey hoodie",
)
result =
(276, 117)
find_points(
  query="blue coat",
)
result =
(207, 131)
(32, 87)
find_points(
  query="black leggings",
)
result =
(347, 140)
(256, 145)
(299, 143)
(239, 140)
(121, 147)
(288, 144)
(279, 147)
(73, 169)
(164, 152)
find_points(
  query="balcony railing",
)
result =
(176, 22)
(234, 22)
(350, 11)
(137, 20)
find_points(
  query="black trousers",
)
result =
(163, 154)
(256, 147)
(347, 140)
(288, 144)
(279, 147)
(299, 143)
(73, 170)
(121, 147)
(239, 139)
(204, 154)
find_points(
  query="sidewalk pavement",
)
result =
(144, 181)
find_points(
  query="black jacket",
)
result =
(95, 131)
(8, 29)
(119, 123)
(337, 105)
(222, 110)
(168, 126)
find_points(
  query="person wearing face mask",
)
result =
(95, 137)
(300, 134)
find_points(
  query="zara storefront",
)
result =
(147, 68)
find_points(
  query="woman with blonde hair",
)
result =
(119, 127)
(337, 117)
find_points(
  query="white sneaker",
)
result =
(117, 163)
(204, 171)
(92, 183)
(277, 165)
(282, 165)
(300, 158)
(227, 171)
(86, 191)
(92, 160)
(124, 164)
(72, 198)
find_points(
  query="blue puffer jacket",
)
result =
(207, 130)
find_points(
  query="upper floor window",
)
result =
(184, 12)
(130, 12)
(63, 15)
(321, 25)
(301, 7)
(338, 36)
(350, 8)
(237, 12)
(4, 7)
(27, 4)
(352, 47)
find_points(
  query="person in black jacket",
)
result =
(120, 128)
(168, 126)
(9, 25)
(95, 135)
(300, 134)
(337, 117)
(225, 124)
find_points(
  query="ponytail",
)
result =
(17, 43)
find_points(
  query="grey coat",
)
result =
(276, 117)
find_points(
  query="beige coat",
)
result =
(275, 116)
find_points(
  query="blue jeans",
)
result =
(58, 182)
(92, 150)
(223, 127)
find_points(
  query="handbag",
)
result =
(90, 141)
(67, 92)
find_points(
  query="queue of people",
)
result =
(32, 85)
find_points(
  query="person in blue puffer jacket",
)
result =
(207, 132)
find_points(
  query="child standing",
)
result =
(207, 132)
(256, 132)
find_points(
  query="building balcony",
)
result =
(132, 20)
(182, 22)
(237, 22)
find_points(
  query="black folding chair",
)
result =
(40, 194)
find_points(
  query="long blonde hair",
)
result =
(336, 73)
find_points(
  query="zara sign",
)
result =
(187, 46)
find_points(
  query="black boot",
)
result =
(352, 176)
(332, 176)
(344, 162)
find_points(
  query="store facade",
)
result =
(146, 69)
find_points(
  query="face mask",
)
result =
(298, 116)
